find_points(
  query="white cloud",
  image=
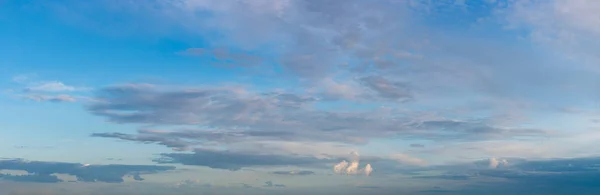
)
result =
(406, 159)
(53, 86)
(368, 170)
(495, 163)
(352, 167)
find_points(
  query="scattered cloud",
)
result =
(40, 171)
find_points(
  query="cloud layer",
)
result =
(44, 171)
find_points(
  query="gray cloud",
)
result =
(270, 184)
(293, 172)
(387, 89)
(551, 176)
(231, 160)
(42, 171)
(169, 142)
(476, 129)
(36, 178)
(226, 56)
(417, 145)
(267, 116)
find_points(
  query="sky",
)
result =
(299, 97)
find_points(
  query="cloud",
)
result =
(293, 172)
(495, 163)
(522, 176)
(446, 177)
(352, 168)
(40, 171)
(387, 89)
(567, 27)
(225, 56)
(477, 128)
(50, 98)
(409, 160)
(417, 145)
(172, 143)
(285, 116)
(53, 86)
(231, 160)
(36, 178)
(270, 184)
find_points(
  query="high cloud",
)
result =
(53, 86)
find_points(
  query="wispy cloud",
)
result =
(52, 86)
(51, 98)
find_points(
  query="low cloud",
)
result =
(352, 167)
(293, 172)
(35, 178)
(270, 184)
(495, 163)
(43, 171)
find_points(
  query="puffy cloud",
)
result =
(352, 168)
(495, 163)
(368, 170)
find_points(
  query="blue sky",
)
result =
(299, 96)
